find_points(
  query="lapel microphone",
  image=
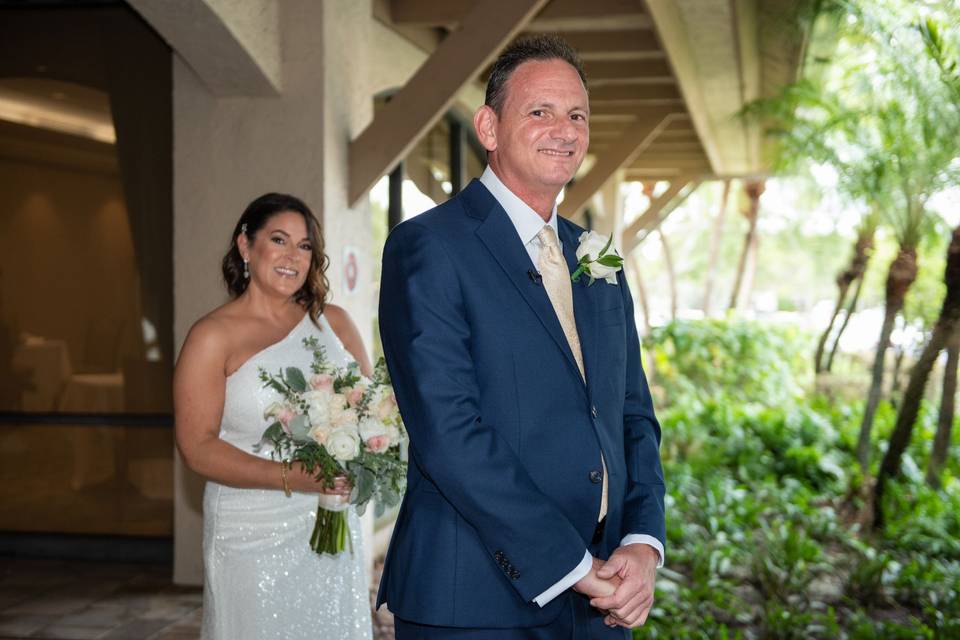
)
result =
(535, 276)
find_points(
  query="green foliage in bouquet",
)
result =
(338, 423)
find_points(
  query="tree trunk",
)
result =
(753, 190)
(844, 287)
(843, 325)
(642, 294)
(862, 249)
(945, 328)
(715, 237)
(907, 416)
(941, 442)
(902, 273)
(671, 274)
(899, 353)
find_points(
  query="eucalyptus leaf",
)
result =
(300, 428)
(295, 380)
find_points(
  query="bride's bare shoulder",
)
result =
(213, 334)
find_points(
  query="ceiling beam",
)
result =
(628, 70)
(635, 92)
(631, 144)
(629, 107)
(556, 16)
(670, 27)
(659, 208)
(428, 94)
(635, 44)
(669, 161)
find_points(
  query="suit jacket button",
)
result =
(593, 411)
(596, 477)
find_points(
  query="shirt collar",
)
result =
(526, 221)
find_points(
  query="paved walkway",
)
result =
(60, 600)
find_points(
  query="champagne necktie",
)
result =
(556, 280)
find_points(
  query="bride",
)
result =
(262, 580)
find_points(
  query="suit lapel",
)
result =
(583, 309)
(500, 237)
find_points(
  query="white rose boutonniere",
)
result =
(597, 259)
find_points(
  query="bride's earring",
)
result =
(246, 270)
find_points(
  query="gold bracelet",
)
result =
(283, 477)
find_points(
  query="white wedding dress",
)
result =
(262, 580)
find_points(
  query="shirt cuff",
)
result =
(642, 538)
(567, 581)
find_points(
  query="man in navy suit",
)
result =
(534, 506)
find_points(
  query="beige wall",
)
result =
(227, 151)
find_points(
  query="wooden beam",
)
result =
(671, 145)
(573, 13)
(428, 13)
(674, 135)
(608, 22)
(595, 45)
(648, 70)
(655, 175)
(628, 147)
(628, 107)
(561, 9)
(428, 94)
(636, 92)
(657, 212)
(670, 161)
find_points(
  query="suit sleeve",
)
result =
(426, 338)
(644, 502)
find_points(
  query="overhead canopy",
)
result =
(666, 78)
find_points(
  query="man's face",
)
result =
(542, 132)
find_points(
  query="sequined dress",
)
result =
(262, 580)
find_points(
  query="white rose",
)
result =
(384, 404)
(370, 428)
(343, 445)
(320, 432)
(318, 406)
(591, 244)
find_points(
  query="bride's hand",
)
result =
(303, 482)
(341, 487)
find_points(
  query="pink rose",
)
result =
(284, 416)
(355, 395)
(378, 444)
(322, 382)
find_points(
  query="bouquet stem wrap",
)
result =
(331, 532)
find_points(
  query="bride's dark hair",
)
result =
(312, 296)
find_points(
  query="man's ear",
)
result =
(485, 124)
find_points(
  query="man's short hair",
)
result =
(537, 47)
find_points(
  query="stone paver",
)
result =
(68, 600)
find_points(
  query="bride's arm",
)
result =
(199, 384)
(347, 332)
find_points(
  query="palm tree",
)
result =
(872, 129)
(862, 249)
(941, 116)
(941, 441)
(946, 327)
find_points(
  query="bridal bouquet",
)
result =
(335, 422)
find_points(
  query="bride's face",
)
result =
(279, 254)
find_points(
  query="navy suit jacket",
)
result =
(505, 438)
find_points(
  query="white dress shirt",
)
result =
(528, 224)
